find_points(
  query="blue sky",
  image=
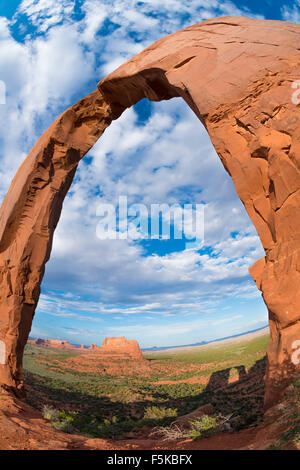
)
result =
(52, 53)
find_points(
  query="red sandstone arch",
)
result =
(236, 74)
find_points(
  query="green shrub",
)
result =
(273, 447)
(50, 413)
(60, 420)
(159, 413)
(291, 434)
(65, 426)
(202, 427)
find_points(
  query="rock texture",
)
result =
(237, 75)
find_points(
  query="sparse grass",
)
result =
(288, 413)
(65, 426)
(199, 428)
(292, 434)
(217, 353)
(103, 405)
(273, 447)
(60, 419)
(50, 413)
(159, 413)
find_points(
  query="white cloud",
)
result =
(46, 13)
(291, 14)
(168, 160)
(41, 76)
(118, 269)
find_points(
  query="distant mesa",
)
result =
(52, 343)
(119, 348)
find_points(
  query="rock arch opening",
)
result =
(236, 75)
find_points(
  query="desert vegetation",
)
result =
(287, 412)
(138, 399)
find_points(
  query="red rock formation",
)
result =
(236, 74)
(121, 347)
(52, 343)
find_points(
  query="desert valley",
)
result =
(116, 397)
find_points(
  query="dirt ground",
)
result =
(22, 427)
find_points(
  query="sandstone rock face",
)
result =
(238, 75)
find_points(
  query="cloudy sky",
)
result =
(160, 292)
